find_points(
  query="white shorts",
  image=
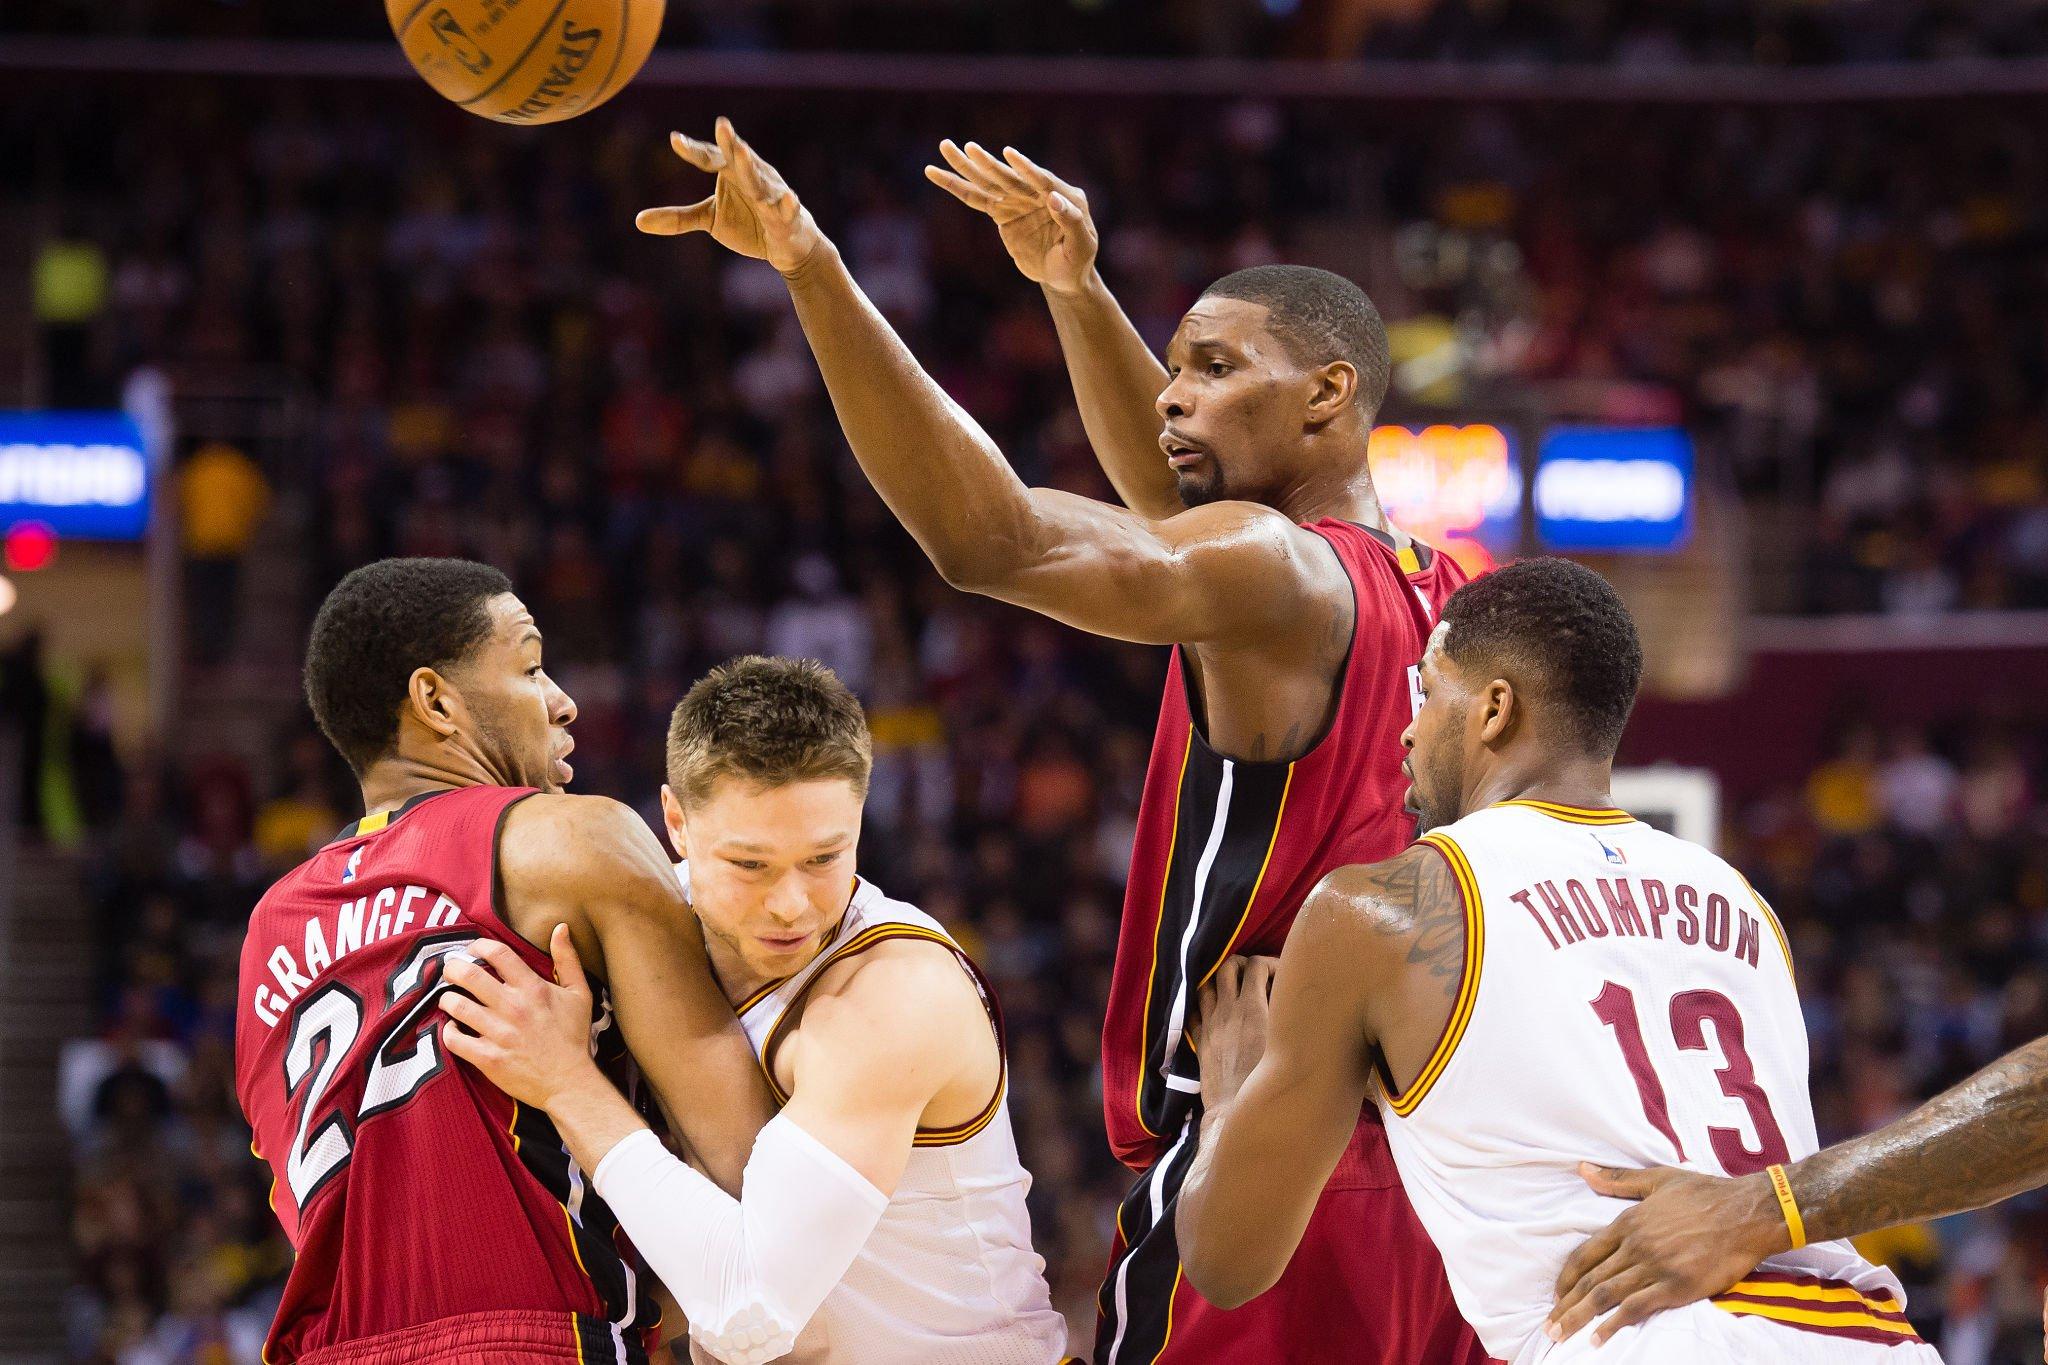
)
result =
(1703, 1334)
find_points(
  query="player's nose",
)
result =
(561, 707)
(1172, 402)
(786, 900)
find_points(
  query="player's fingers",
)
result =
(1620, 1182)
(473, 978)
(470, 1048)
(966, 191)
(475, 1017)
(1580, 1264)
(1646, 1299)
(705, 156)
(568, 966)
(1042, 178)
(510, 967)
(1066, 210)
(1586, 1298)
(676, 220)
(997, 172)
(971, 170)
(756, 175)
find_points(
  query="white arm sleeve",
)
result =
(747, 1272)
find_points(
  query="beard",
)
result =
(1199, 489)
(1436, 791)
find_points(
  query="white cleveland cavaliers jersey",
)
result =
(1627, 1000)
(948, 1276)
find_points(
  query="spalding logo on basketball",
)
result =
(526, 61)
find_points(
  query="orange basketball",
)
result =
(526, 61)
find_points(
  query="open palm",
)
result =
(1043, 220)
(751, 209)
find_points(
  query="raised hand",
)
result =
(1043, 220)
(750, 210)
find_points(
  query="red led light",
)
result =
(30, 545)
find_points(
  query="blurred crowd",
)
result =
(1773, 32)
(1847, 308)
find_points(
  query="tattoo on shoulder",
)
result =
(1421, 900)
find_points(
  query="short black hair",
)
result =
(1566, 625)
(380, 624)
(1319, 317)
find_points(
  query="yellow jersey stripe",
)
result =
(1405, 1103)
(1180, 785)
(1807, 1317)
(1771, 915)
(1577, 815)
(370, 824)
(1817, 1293)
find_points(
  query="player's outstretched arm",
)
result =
(1982, 1141)
(1222, 573)
(592, 863)
(1047, 228)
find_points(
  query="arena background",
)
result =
(1745, 301)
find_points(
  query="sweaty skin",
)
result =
(1982, 1141)
(1264, 443)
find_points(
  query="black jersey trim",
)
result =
(378, 821)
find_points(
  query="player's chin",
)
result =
(560, 774)
(1200, 484)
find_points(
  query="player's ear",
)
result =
(672, 819)
(434, 702)
(1336, 384)
(1500, 709)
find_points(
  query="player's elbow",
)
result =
(1224, 1285)
(1222, 1269)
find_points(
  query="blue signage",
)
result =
(1613, 489)
(82, 474)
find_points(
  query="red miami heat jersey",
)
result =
(412, 1190)
(1227, 850)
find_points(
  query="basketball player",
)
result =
(1540, 978)
(1975, 1144)
(1296, 609)
(434, 1218)
(882, 1217)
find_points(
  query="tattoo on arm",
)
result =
(1983, 1141)
(1415, 897)
(1437, 914)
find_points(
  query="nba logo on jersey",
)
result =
(1614, 855)
(348, 874)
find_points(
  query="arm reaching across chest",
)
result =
(876, 1048)
(1362, 950)
(592, 864)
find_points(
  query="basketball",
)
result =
(526, 61)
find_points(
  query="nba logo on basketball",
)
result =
(458, 43)
(348, 874)
(1614, 855)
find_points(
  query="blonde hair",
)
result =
(769, 721)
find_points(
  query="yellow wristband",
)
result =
(1781, 1185)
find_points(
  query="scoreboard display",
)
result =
(1484, 491)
